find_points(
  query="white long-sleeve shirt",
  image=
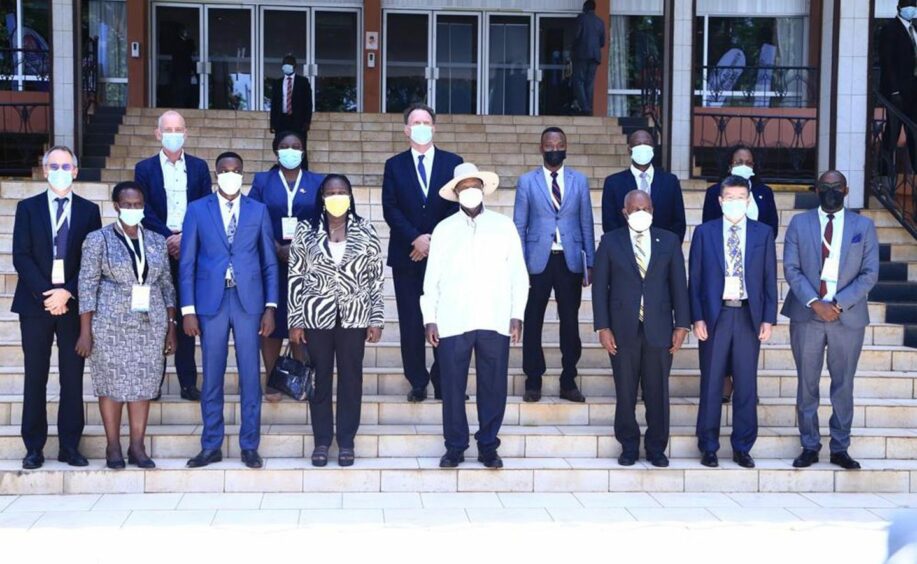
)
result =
(476, 277)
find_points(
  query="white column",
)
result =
(825, 81)
(680, 137)
(62, 71)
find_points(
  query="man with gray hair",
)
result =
(48, 236)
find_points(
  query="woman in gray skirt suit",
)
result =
(127, 304)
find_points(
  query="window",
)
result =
(107, 21)
(24, 45)
(635, 62)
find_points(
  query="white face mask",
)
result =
(60, 179)
(131, 217)
(173, 141)
(642, 154)
(734, 210)
(743, 170)
(640, 220)
(229, 182)
(471, 198)
(421, 134)
(287, 69)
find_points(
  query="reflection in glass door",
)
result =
(456, 66)
(283, 32)
(177, 52)
(509, 70)
(407, 53)
(336, 67)
(555, 63)
(229, 59)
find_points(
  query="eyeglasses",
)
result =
(67, 167)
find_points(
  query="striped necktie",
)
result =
(230, 236)
(735, 256)
(640, 255)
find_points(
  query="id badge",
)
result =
(732, 289)
(289, 227)
(140, 299)
(829, 271)
(57, 271)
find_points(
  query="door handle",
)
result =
(539, 75)
(435, 73)
(204, 67)
(427, 73)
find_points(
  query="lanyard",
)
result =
(291, 194)
(833, 247)
(139, 260)
(56, 225)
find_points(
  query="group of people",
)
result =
(294, 260)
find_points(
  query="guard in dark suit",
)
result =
(733, 289)
(291, 104)
(761, 205)
(171, 180)
(898, 72)
(412, 207)
(48, 236)
(587, 54)
(642, 314)
(663, 187)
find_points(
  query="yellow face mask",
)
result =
(337, 205)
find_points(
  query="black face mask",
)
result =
(554, 158)
(831, 197)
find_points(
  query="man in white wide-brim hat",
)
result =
(474, 297)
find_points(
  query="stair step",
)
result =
(899, 292)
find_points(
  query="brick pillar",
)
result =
(600, 91)
(138, 23)
(372, 77)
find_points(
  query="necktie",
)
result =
(555, 191)
(289, 108)
(230, 235)
(735, 256)
(644, 183)
(825, 251)
(60, 241)
(422, 171)
(641, 264)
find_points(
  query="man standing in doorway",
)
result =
(291, 104)
(587, 54)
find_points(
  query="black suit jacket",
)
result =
(665, 191)
(301, 117)
(617, 288)
(896, 61)
(33, 250)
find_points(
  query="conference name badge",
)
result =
(829, 272)
(288, 225)
(732, 289)
(57, 271)
(140, 298)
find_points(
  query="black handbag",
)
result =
(292, 377)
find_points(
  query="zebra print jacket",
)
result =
(320, 291)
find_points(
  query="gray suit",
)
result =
(587, 54)
(809, 336)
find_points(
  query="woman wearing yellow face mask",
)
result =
(335, 307)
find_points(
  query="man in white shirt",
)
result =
(475, 291)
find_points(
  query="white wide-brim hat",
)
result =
(465, 171)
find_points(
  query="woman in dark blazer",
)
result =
(290, 193)
(761, 207)
(336, 307)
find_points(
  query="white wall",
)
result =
(62, 71)
(680, 138)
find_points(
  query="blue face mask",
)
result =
(287, 69)
(289, 158)
(909, 13)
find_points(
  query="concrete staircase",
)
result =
(548, 446)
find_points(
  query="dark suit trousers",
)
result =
(642, 362)
(584, 83)
(408, 288)
(347, 346)
(732, 346)
(491, 356)
(185, 365)
(38, 335)
(568, 291)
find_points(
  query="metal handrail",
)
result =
(892, 180)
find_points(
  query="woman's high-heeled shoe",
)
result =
(146, 463)
(115, 463)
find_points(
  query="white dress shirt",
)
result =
(427, 167)
(175, 182)
(557, 245)
(752, 212)
(476, 277)
(727, 232)
(52, 206)
(837, 235)
(649, 177)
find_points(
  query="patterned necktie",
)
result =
(825, 251)
(555, 191)
(644, 183)
(60, 241)
(422, 171)
(641, 264)
(289, 108)
(230, 235)
(735, 256)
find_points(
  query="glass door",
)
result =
(177, 64)
(456, 68)
(554, 45)
(510, 76)
(335, 72)
(229, 62)
(407, 74)
(283, 32)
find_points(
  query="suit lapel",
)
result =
(720, 244)
(848, 235)
(544, 189)
(76, 217)
(41, 207)
(815, 235)
(655, 249)
(569, 188)
(411, 171)
(216, 214)
(628, 248)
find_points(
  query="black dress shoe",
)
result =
(573, 395)
(710, 460)
(452, 459)
(743, 459)
(205, 457)
(72, 457)
(417, 395)
(806, 459)
(843, 460)
(33, 460)
(252, 459)
(491, 460)
(191, 394)
(531, 396)
(658, 460)
(627, 459)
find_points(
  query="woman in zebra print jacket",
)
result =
(335, 307)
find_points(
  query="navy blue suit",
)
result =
(269, 189)
(732, 345)
(148, 173)
(409, 215)
(764, 199)
(665, 191)
(206, 253)
(33, 256)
